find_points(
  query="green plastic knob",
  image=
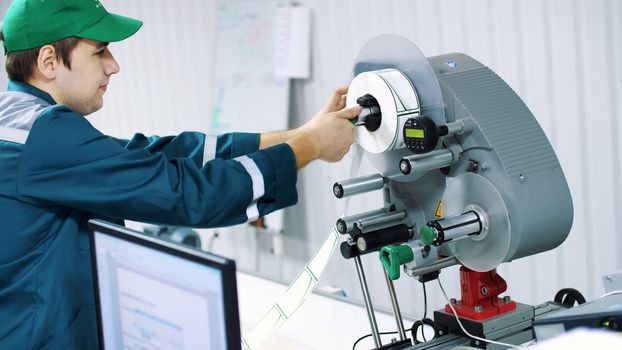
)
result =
(393, 256)
(427, 235)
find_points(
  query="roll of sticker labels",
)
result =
(397, 100)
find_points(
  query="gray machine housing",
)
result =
(488, 191)
(505, 151)
(521, 161)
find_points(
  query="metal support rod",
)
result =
(396, 307)
(460, 127)
(455, 128)
(439, 264)
(368, 305)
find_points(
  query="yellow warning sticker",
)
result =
(439, 208)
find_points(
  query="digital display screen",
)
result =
(416, 133)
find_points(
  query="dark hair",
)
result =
(20, 64)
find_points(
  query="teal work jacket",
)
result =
(57, 171)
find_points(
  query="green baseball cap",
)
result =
(34, 23)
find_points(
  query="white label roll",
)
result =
(398, 101)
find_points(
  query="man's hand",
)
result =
(336, 101)
(329, 134)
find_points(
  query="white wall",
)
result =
(562, 57)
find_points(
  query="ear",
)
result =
(47, 63)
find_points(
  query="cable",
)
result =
(464, 330)
(423, 322)
(369, 335)
(425, 302)
(425, 313)
(569, 296)
(614, 292)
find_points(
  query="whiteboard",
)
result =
(246, 94)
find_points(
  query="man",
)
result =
(57, 171)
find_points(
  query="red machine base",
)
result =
(480, 295)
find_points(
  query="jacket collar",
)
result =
(29, 89)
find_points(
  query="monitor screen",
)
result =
(153, 294)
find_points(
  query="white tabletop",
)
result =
(321, 323)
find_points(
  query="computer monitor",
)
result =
(154, 294)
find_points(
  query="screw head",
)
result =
(484, 291)
(361, 244)
(424, 252)
(472, 166)
(341, 227)
(405, 167)
(338, 190)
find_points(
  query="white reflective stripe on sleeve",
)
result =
(209, 148)
(252, 212)
(13, 135)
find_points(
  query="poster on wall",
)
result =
(246, 93)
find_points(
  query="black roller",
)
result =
(374, 240)
(348, 251)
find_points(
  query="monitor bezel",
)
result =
(226, 267)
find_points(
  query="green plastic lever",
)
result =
(394, 256)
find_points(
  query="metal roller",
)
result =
(358, 185)
(365, 223)
(425, 162)
(346, 224)
(451, 228)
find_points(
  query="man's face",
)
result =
(82, 88)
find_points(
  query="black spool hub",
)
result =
(372, 109)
